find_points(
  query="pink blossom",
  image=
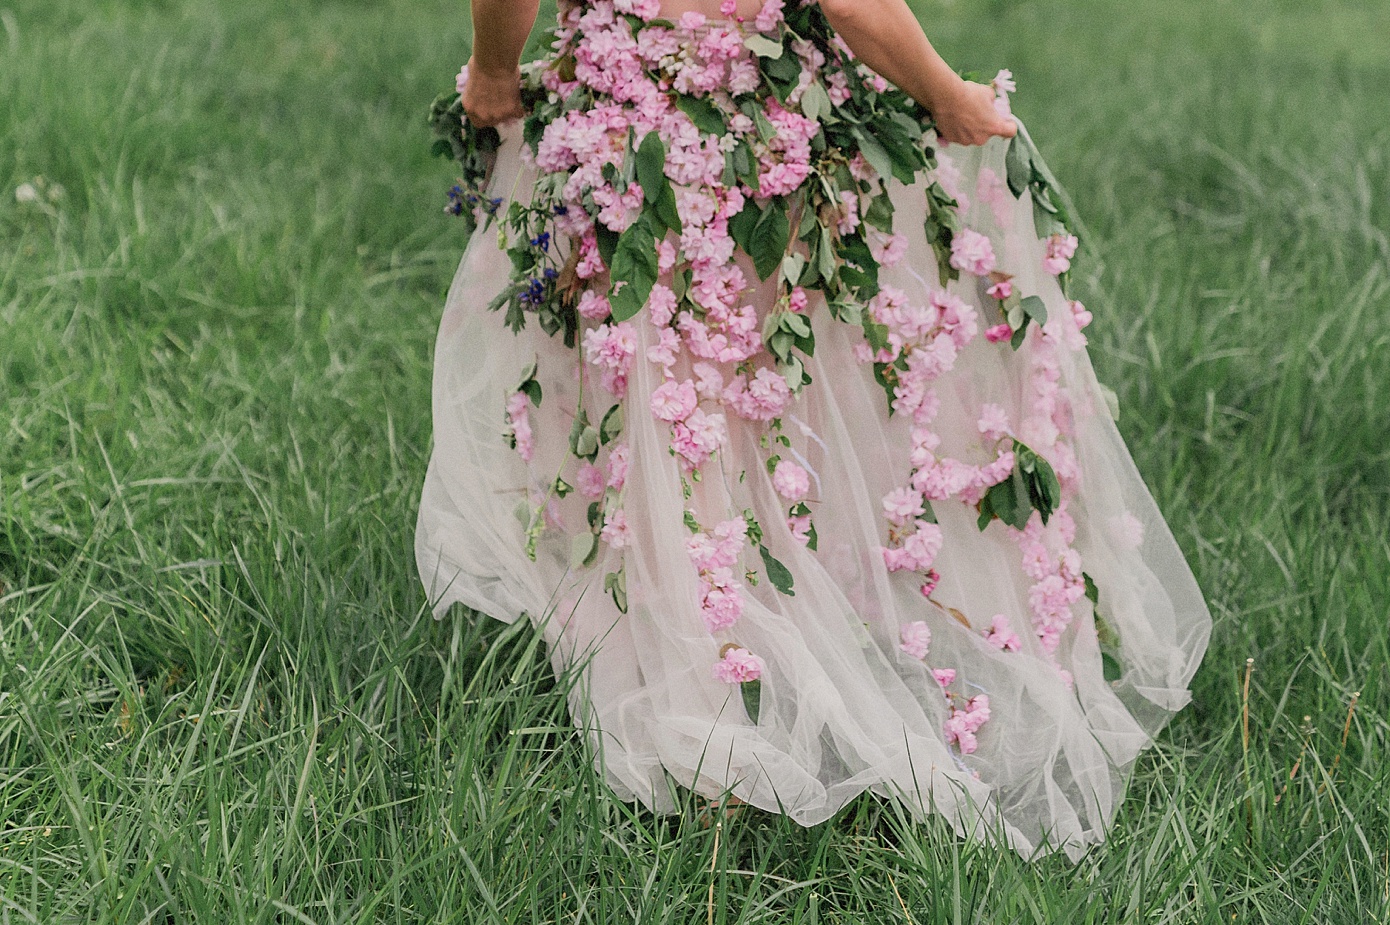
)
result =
(728, 7)
(994, 421)
(590, 262)
(972, 252)
(964, 723)
(738, 664)
(1079, 313)
(790, 480)
(709, 381)
(915, 639)
(769, 16)
(645, 10)
(894, 559)
(800, 526)
(861, 170)
(1002, 289)
(665, 256)
(673, 401)
(887, 249)
(928, 586)
(594, 306)
(611, 346)
(615, 530)
(944, 676)
(762, 399)
(461, 80)
(902, 504)
(722, 606)
(797, 300)
(617, 467)
(665, 350)
(781, 179)
(1060, 249)
(697, 437)
(1001, 635)
(921, 547)
(946, 478)
(518, 416)
(1003, 82)
(661, 305)
(590, 480)
(999, 333)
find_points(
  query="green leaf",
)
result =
(587, 444)
(616, 584)
(666, 207)
(581, 423)
(826, 254)
(742, 225)
(703, 113)
(751, 692)
(1110, 667)
(769, 239)
(583, 550)
(634, 263)
(777, 573)
(815, 102)
(1034, 308)
(1018, 165)
(651, 167)
(611, 427)
(875, 154)
(880, 213)
(607, 242)
(1092, 592)
(762, 46)
(532, 388)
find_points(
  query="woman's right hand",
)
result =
(490, 98)
(967, 115)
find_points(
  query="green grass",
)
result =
(221, 698)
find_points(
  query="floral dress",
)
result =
(773, 415)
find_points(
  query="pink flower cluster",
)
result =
(611, 348)
(918, 551)
(915, 639)
(1001, 634)
(972, 252)
(785, 161)
(1060, 249)
(1055, 567)
(964, 723)
(519, 421)
(790, 480)
(737, 666)
(714, 556)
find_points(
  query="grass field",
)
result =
(221, 697)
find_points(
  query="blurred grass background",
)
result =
(220, 697)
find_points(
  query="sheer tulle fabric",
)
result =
(843, 708)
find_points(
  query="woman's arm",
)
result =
(885, 35)
(500, 30)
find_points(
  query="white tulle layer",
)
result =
(843, 709)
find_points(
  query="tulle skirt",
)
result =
(844, 705)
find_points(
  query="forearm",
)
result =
(885, 35)
(500, 30)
